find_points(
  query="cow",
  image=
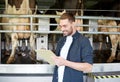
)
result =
(61, 6)
(18, 7)
(114, 38)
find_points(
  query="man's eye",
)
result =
(64, 26)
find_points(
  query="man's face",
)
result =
(66, 27)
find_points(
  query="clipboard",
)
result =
(46, 55)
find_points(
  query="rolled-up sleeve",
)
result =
(87, 51)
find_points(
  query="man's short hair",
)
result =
(68, 16)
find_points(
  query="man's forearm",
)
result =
(86, 67)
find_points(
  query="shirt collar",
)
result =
(76, 35)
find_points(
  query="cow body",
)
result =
(23, 7)
(113, 37)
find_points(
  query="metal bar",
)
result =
(0, 48)
(84, 25)
(12, 24)
(31, 23)
(58, 32)
(55, 16)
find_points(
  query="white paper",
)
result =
(46, 55)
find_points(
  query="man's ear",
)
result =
(74, 24)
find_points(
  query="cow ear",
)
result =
(64, 11)
(36, 7)
(60, 13)
(57, 12)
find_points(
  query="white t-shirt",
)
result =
(64, 53)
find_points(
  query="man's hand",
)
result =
(59, 61)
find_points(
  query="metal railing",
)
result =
(32, 24)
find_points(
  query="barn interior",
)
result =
(89, 12)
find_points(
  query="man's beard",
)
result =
(67, 33)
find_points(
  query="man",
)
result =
(74, 53)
